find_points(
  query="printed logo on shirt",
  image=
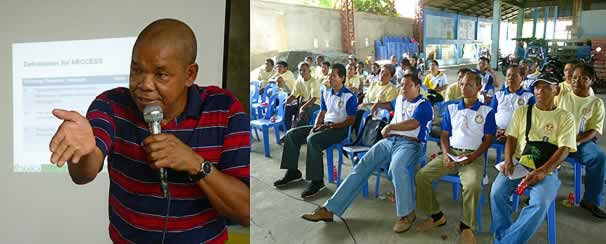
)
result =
(520, 101)
(479, 119)
(340, 104)
(410, 109)
(549, 128)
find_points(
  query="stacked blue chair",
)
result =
(275, 109)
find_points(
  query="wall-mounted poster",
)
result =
(439, 27)
(484, 31)
(467, 28)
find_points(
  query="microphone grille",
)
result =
(152, 113)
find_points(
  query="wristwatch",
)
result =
(205, 169)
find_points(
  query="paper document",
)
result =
(519, 171)
(457, 159)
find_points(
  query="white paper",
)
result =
(457, 159)
(519, 171)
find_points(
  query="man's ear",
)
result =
(191, 74)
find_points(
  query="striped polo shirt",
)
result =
(213, 124)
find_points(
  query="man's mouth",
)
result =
(147, 101)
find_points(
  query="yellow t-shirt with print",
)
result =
(289, 79)
(307, 89)
(588, 111)
(453, 92)
(264, 76)
(379, 93)
(429, 80)
(556, 127)
(354, 82)
(565, 86)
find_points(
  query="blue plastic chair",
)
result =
(411, 170)
(578, 178)
(442, 108)
(551, 217)
(259, 107)
(276, 109)
(358, 151)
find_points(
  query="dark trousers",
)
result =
(316, 143)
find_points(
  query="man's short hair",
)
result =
(463, 71)
(341, 71)
(405, 62)
(476, 77)
(326, 63)
(320, 57)
(270, 61)
(174, 33)
(433, 61)
(587, 69)
(361, 63)
(485, 59)
(301, 64)
(308, 57)
(413, 75)
(283, 63)
(391, 68)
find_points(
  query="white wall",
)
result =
(591, 24)
(49, 208)
(277, 27)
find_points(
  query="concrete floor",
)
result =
(275, 216)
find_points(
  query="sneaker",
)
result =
(313, 189)
(467, 237)
(403, 224)
(320, 214)
(290, 177)
(595, 210)
(430, 224)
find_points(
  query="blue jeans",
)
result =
(531, 217)
(401, 153)
(593, 157)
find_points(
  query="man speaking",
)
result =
(202, 146)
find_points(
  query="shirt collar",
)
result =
(475, 107)
(193, 107)
(413, 100)
(519, 92)
(343, 90)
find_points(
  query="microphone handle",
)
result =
(155, 129)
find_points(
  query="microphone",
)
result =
(153, 116)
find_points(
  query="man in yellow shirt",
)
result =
(588, 112)
(453, 91)
(316, 71)
(307, 89)
(379, 92)
(567, 84)
(266, 73)
(353, 80)
(324, 76)
(284, 77)
(552, 126)
(436, 79)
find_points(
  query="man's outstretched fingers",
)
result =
(57, 153)
(67, 154)
(66, 115)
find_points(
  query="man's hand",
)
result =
(373, 108)
(535, 176)
(385, 131)
(501, 134)
(73, 140)
(167, 151)
(508, 168)
(448, 163)
(319, 127)
(302, 113)
(466, 161)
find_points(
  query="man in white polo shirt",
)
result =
(401, 147)
(508, 100)
(338, 107)
(489, 84)
(468, 129)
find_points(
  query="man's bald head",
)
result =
(170, 33)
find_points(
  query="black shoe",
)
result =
(313, 189)
(595, 210)
(290, 177)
